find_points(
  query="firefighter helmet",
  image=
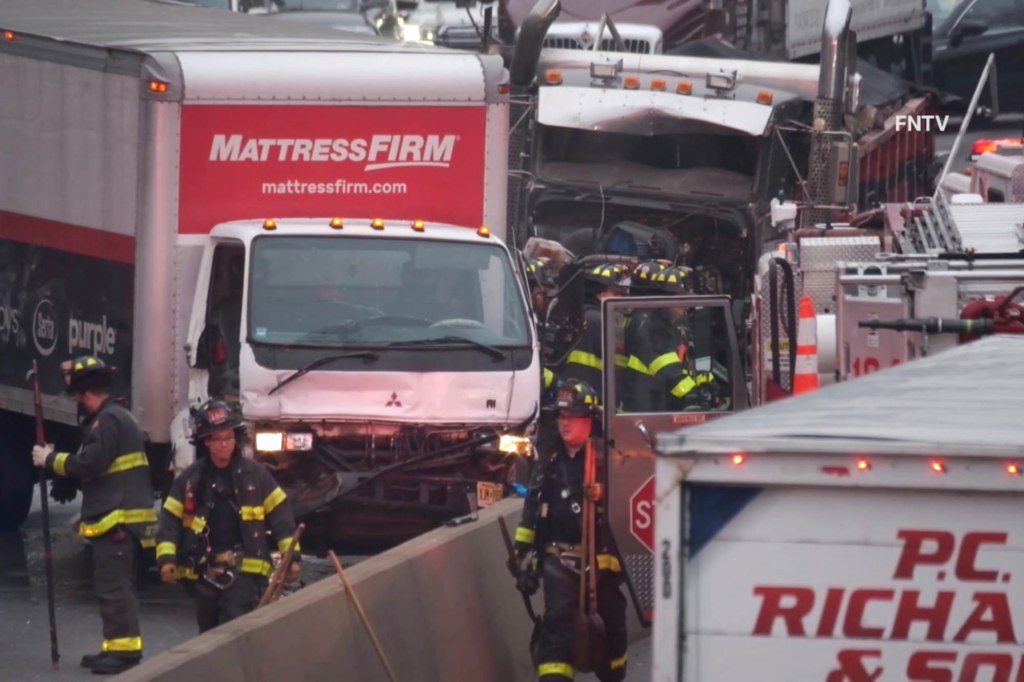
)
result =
(577, 397)
(86, 372)
(538, 272)
(212, 416)
(644, 272)
(671, 280)
(608, 275)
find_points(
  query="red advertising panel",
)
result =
(243, 162)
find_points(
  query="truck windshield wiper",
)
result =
(319, 362)
(495, 353)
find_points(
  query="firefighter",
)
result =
(540, 278)
(117, 505)
(583, 363)
(638, 387)
(661, 341)
(214, 523)
(548, 542)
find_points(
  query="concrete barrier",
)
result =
(443, 606)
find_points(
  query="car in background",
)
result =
(964, 35)
(342, 15)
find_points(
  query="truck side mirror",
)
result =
(968, 28)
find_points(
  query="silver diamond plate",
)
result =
(818, 258)
(640, 568)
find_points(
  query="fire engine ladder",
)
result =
(944, 228)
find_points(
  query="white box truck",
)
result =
(868, 531)
(308, 224)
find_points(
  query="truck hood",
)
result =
(408, 397)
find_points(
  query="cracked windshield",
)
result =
(324, 291)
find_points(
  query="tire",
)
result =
(17, 475)
(17, 485)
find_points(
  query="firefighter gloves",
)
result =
(40, 453)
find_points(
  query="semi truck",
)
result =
(894, 36)
(868, 531)
(308, 226)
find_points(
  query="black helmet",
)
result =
(212, 416)
(538, 272)
(644, 272)
(86, 372)
(671, 280)
(608, 275)
(577, 397)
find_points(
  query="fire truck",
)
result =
(629, 156)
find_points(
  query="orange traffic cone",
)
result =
(806, 379)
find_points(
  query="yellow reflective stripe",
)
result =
(563, 669)
(125, 462)
(273, 499)
(620, 360)
(174, 506)
(549, 378)
(586, 359)
(252, 513)
(123, 644)
(116, 518)
(58, 463)
(197, 524)
(617, 663)
(166, 549)
(634, 363)
(525, 535)
(257, 566)
(147, 543)
(186, 573)
(685, 385)
(608, 562)
(662, 361)
(283, 545)
(705, 378)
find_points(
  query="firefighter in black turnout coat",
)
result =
(549, 536)
(213, 526)
(118, 517)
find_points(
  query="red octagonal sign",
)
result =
(641, 514)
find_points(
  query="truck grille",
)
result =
(633, 45)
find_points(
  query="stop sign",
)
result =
(641, 514)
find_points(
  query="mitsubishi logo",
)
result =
(394, 402)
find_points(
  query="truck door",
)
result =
(676, 362)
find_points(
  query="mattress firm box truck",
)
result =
(867, 531)
(307, 225)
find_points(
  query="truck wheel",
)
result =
(17, 475)
(16, 488)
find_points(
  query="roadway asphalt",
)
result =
(166, 612)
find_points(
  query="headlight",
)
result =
(514, 445)
(413, 33)
(269, 441)
(300, 440)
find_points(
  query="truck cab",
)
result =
(354, 344)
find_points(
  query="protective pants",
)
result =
(215, 607)
(561, 604)
(114, 554)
